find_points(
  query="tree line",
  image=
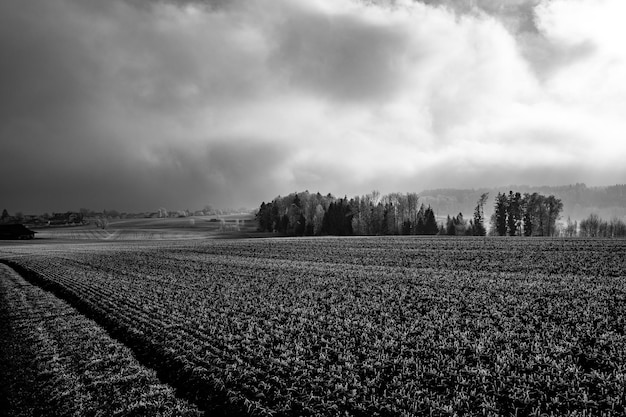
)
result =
(515, 214)
(306, 214)
(525, 215)
(578, 199)
(594, 226)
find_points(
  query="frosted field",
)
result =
(358, 326)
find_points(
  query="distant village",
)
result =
(86, 216)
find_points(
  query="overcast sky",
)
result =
(135, 104)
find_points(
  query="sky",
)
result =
(134, 104)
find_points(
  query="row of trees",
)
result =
(594, 226)
(41, 220)
(515, 214)
(458, 226)
(372, 214)
(525, 215)
(306, 214)
(5, 217)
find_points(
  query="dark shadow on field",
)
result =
(4, 389)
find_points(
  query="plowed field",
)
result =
(360, 326)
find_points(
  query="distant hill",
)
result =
(578, 200)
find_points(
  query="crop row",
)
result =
(349, 326)
(589, 257)
(54, 361)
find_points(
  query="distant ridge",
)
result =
(578, 200)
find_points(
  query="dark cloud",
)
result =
(211, 5)
(546, 56)
(45, 70)
(135, 105)
(79, 109)
(341, 57)
(516, 15)
(226, 174)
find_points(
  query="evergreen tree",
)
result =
(420, 227)
(284, 224)
(527, 217)
(430, 224)
(500, 225)
(460, 225)
(329, 224)
(406, 227)
(338, 219)
(275, 216)
(514, 215)
(297, 202)
(260, 218)
(450, 226)
(478, 226)
(300, 226)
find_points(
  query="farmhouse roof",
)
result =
(15, 231)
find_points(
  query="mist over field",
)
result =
(137, 104)
(579, 200)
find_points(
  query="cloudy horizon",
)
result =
(135, 104)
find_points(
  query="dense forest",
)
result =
(306, 214)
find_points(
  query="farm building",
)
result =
(15, 231)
